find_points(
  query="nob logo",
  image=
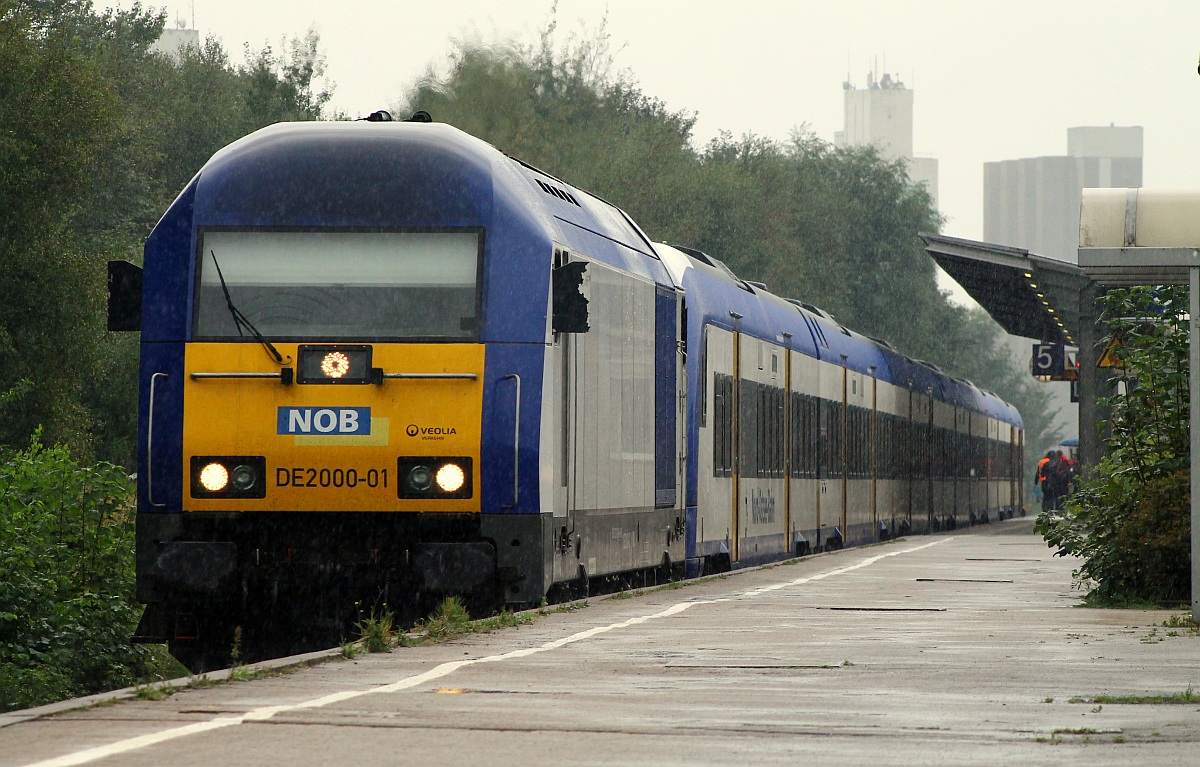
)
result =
(430, 432)
(326, 420)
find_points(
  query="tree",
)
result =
(97, 136)
(55, 109)
(1129, 519)
(834, 227)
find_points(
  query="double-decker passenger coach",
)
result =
(383, 362)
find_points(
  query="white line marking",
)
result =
(437, 672)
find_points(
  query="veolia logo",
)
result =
(430, 432)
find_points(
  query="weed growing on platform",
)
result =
(1181, 621)
(1186, 697)
(154, 692)
(450, 619)
(1183, 698)
(377, 631)
(570, 607)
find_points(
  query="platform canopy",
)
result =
(1152, 237)
(1139, 236)
(1028, 295)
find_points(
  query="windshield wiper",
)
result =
(241, 322)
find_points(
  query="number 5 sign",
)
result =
(1049, 359)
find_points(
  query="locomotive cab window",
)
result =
(334, 285)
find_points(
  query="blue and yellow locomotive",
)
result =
(384, 362)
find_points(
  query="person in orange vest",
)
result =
(1039, 480)
(1057, 484)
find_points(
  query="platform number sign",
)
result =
(1049, 359)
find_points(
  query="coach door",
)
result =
(717, 461)
(735, 542)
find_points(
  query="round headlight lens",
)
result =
(214, 477)
(420, 478)
(335, 365)
(450, 478)
(244, 477)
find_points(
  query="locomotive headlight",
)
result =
(450, 477)
(228, 476)
(420, 478)
(335, 364)
(214, 477)
(244, 477)
(340, 364)
(434, 478)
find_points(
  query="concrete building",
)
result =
(174, 41)
(881, 115)
(1033, 203)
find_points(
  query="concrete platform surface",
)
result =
(961, 649)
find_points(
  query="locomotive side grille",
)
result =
(559, 193)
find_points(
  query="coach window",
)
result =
(337, 285)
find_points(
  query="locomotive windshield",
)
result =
(337, 285)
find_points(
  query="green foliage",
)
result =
(67, 607)
(98, 134)
(836, 227)
(1130, 519)
(448, 621)
(1187, 697)
(376, 632)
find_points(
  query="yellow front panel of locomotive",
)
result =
(332, 472)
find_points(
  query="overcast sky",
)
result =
(992, 80)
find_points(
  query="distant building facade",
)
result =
(1033, 203)
(881, 115)
(174, 41)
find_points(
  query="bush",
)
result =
(67, 607)
(1130, 520)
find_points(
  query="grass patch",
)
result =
(451, 620)
(1095, 599)
(570, 607)
(154, 692)
(377, 631)
(1179, 698)
(1181, 621)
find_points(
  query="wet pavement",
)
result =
(961, 649)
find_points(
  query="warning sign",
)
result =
(1108, 358)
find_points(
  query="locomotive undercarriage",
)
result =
(300, 582)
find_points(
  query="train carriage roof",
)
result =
(715, 294)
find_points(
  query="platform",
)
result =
(961, 649)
